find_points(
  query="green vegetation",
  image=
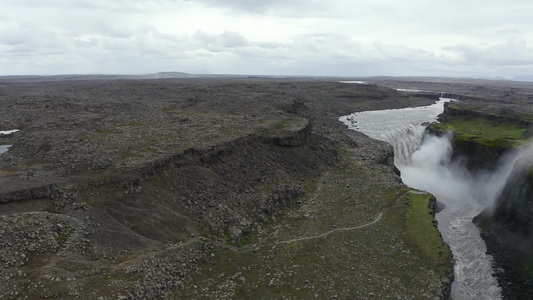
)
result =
(421, 230)
(504, 112)
(463, 106)
(484, 131)
(410, 216)
(248, 239)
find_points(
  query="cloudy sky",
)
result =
(483, 38)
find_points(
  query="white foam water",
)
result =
(9, 131)
(403, 128)
(4, 148)
(431, 170)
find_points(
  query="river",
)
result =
(4, 148)
(425, 164)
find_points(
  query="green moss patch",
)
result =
(502, 112)
(411, 216)
(485, 131)
(422, 231)
(463, 106)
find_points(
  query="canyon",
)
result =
(216, 188)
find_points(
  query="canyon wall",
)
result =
(485, 138)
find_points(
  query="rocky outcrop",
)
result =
(293, 137)
(508, 232)
(477, 156)
(42, 192)
(514, 206)
(227, 190)
(459, 96)
(484, 154)
(432, 96)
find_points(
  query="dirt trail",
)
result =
(255, 247)
(331, 231)
(378, 217)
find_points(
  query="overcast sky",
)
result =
(485, 38)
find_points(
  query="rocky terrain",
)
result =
(207, 188)
(487, 91)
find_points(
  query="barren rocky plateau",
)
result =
(198, 188)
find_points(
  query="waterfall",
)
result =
(404, 140)
(402, 128)
(425, 164)
(432, 170)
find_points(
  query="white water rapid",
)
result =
(4, 148)
(424, 162)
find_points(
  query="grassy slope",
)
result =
(485, 132)
(423, 233)
(496, 129)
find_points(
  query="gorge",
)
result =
(482, 174)
(424, 162)
(224, 188)
(207, 189)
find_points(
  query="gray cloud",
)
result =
(216, 43)
(511, 52)
(263, 6)
(340, 37)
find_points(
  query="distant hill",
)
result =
(161, 75)
(523, 78)
(63, 77)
